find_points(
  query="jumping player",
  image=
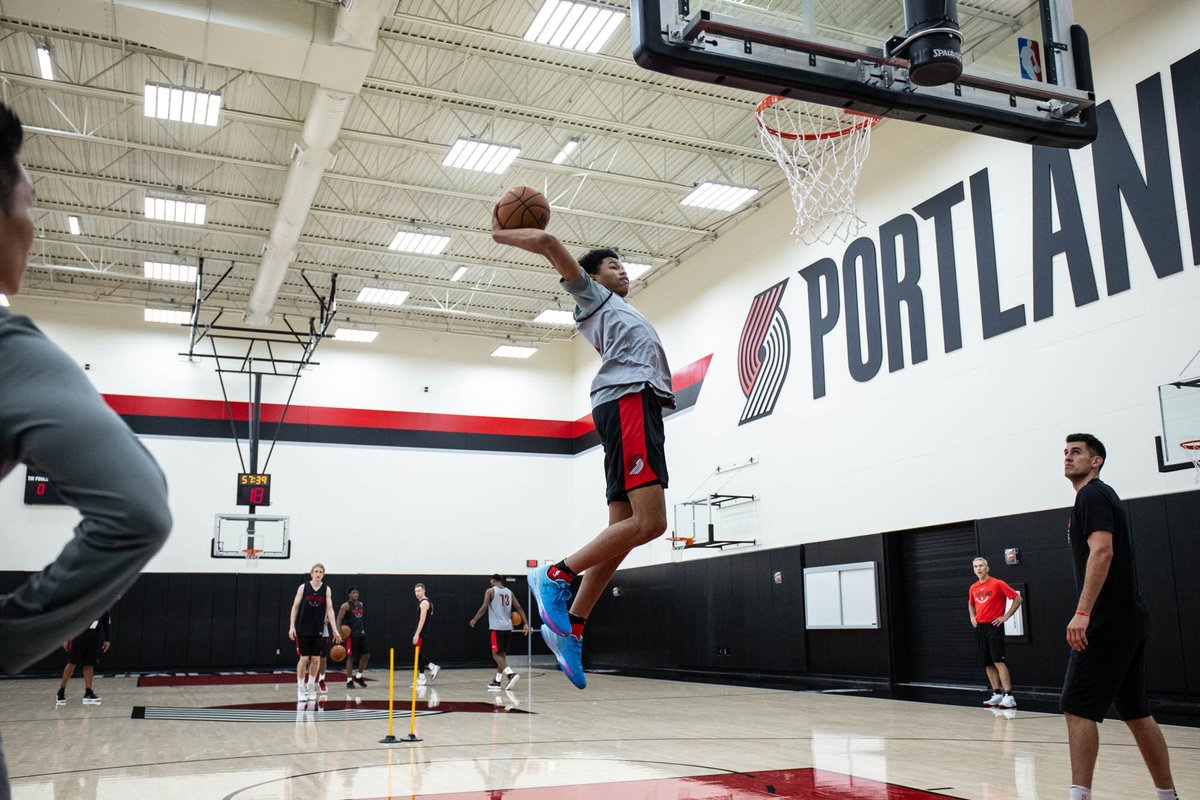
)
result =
(85, 651)
(314, 606)
(628, 395)
(499, 603)
(353, 611)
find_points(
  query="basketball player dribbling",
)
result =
(353, 612)
(312, 609)
(628, 395)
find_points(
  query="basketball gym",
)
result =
(895, 251)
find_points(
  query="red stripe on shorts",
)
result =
(633, 442)
(494, 649)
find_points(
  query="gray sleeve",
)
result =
(588, 294)
(52, 418)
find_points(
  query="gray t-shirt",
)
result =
(631, 355)
(51, 417)
(500, 609)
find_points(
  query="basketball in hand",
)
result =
(337, 653)
(345, 631)
(523, 207)
(517, 619)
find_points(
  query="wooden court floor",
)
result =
(620, 739)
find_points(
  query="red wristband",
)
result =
(1083, 613)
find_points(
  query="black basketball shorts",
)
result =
(989, 644)
(501, 641)
(310, 645)
(1110, 671)
(85, 649)
(631, 431)
(359, 646)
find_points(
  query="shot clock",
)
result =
(253, 489)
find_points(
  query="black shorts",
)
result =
(310, 645)
(85, 649)
(989, 644)
(1111, 671)
(359, 646)
(501, 641)
(631, 431)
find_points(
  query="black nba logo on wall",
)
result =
(764, 352)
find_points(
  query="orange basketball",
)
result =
(523, 207)
(337, 652)
(345, 631)
(517, 619)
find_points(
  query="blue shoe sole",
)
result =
(550, 606)
(574, 675)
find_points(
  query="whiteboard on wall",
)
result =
(841, 596)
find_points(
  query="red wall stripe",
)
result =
(137, 406)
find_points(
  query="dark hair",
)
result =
(590, 261)
(498, 578)
(351, 589)
(1094, 445)
(11, 136)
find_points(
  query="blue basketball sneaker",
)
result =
(568, 651)
(552, 597)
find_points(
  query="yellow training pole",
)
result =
(389, 739)
(412, 725)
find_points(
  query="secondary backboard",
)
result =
(1179, 403)
(1026, 67)
(267, 536)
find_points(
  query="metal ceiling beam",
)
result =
(248, 163)
(347, 134)
(669, 139)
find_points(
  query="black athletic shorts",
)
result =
(501, 641)
(989, 644)
(359, 646)
(631, 431)
(310, 645)
(85, 649)
(1111, 671)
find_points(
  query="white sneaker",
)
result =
(434, 669)
(312, 691)
(1007, 702)
(301, 694)
(994, 700)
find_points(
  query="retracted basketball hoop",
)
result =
(1193, 448)
(821, 150)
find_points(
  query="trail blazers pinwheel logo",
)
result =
(764, 353)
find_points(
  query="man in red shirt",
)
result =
(986, 601)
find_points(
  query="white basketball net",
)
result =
(821, 150)
(1193, 448)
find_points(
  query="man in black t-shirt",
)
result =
(1108, 631)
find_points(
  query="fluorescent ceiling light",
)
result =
(175, 209)
(381, 297)
(635, 270)
(159, 271)
(513, 351)
(73, 225)
(555, 316)
(719, 196)
(355, 335)
(460, 273)
(3, 300)
(482, 156)
(574, 25)
(425, 243)
(45, 66)
(569, 146)
(170, 316)
(181, 104)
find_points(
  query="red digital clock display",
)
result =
(253, 489)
